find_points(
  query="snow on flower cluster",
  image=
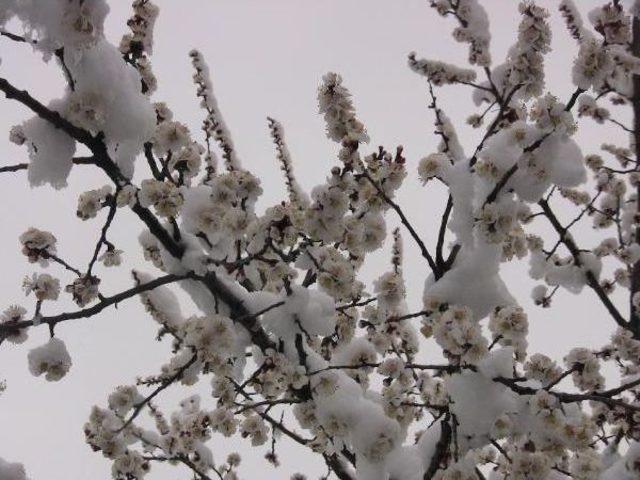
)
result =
(473, 29)
(281, 334)
(51, 359)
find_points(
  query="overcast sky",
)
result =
(266, 58)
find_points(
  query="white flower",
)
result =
(37, 245)
(127, 196)
(123, 399)
(210, 336)
(43, 285)
(432, 166)
(187, 160)
(586, 369)
(224, 421)
(255, 428)
(84, 289)
(586, 465)
(170, 136)
(129, 465)
(16, 135)
(52, 359)
(441, 73)
(111, 258)
(87, 110)
(542, 368)
(335, 104)
(164, 196)
(390, 290)
(90, 202)
(510, 326)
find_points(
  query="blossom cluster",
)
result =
(283, 332)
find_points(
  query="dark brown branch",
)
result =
(8, 328)
(442, 232)
(15, 38)
(592, 281)
(602, 397)
(164, 384)
(24, 166)
(442, 449)
(423, 249)
(103, 233)
(14, 168)
(54, 118)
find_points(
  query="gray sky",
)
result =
(266, 58)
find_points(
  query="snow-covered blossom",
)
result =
(129, 464)
(17, 135)
(337, 107)
(51, 359)
(550, 115)
(281, 323)
(141, 24)
(592, 66)
(473, 29)
(525, 62)
(187, 160)
(151, 249)
(86, 110)
(431, 166)
(612, 23)
(213, 125)
(441, 73)
(588, 107)
(459, 335)
(123, 399)
(572, 18)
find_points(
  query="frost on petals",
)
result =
(50, 359)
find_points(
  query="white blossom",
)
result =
(51, 359)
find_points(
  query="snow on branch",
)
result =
(281, 330)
